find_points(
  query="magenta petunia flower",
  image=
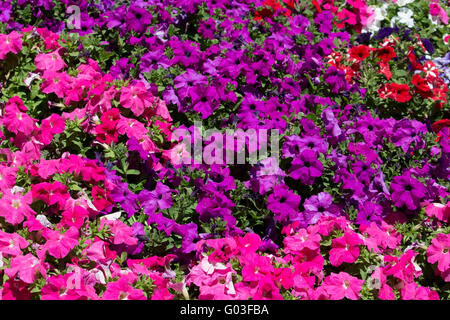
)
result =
(345, 249)
(283, 202)
(16, 120)
(56, 82)
(12, 244)
(412, 291)
(439, 251)
(342, 285)
(137, 98)
(122, 290)
(306, 167)
(10, 43)
(15, 207)
(59, 244)
(407, 191)
(26, 268)
(49, 62)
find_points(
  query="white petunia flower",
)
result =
(402, 3)
(380, 13)
(404, 16)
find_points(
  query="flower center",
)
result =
(346, 284)
(123, 295)
(15, 204)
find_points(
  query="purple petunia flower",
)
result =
(5, 11)
(369, 212)
(335, 79)
(283, 203)
(185, 82)
(154, 60)
(306, 167)
(407, 191)
(324, 20)
(207, 28)
(159, 198)
(320, 205)
(126, 198)
(121, 68)
(138, 19)
(406, 132)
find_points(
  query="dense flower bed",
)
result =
(96, 97)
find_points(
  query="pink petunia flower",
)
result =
(303, 239)
(137, 98)
(438, 211)
(50, 38)
(131, 127)
(50, 126)
(267, 290)
(249, 244)
(15, 207)
(49, 62)
(51, 193)
(56, 82)
(90, 171)
(122, 290)
(98, 251)
(16, 120)
(384, 236)
(7, 177)
(437, 11)
(121, 233)
(101, 198)
(70, 286)
(342, 285)
(385, 292)
(74, 217)
(26, 268)
(403, 268)
(12, 244)
(58, 244)
(302, 285)
(10, 43)
(15, 290)
(411, 291)
(439, 251)
(256, 267)
(345, 249)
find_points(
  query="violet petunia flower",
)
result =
(407, 191)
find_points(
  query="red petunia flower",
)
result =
(421, 86)
(400, 92)
(360, 53)
(385, 54)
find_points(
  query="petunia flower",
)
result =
(11, 42)
(16, 120)
(137, 98)
(12, 244)
(59, 244)
(439, 251)
(15, 207)
(407, 191)
(306, 167)
(318, 206)
(49, 62)
(283, 203)
(26, 268)
(345, 249)
(122, 290)
(56, 82)
(342, 285)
